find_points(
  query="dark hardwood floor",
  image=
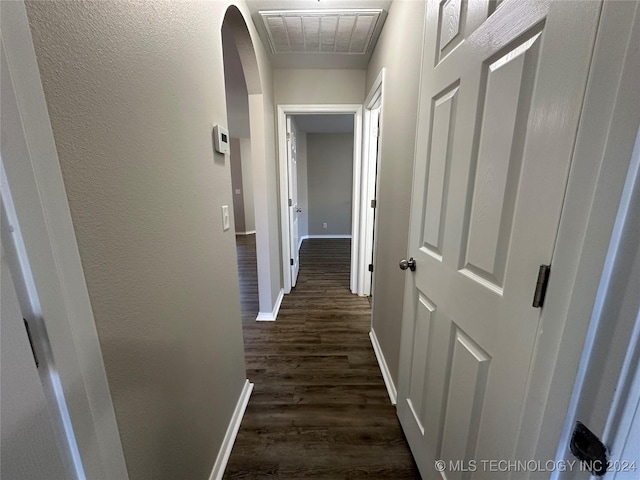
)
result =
(319, 408)
(248, 273)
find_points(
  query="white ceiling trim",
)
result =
(327, 31)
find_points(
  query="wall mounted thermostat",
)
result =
(221, 139)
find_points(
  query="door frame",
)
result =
(370, 167)
(322, 109)
(605, 140)
(42, 210)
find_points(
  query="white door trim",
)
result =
(366, 248)
(283, 111)
(608, 126)
(37, 188)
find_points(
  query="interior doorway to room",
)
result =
(241, 177)
(319, 161)
(306, 132)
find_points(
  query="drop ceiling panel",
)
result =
(343, 31)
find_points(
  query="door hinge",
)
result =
(371, 267)
(291, 262)
(373, 203)
(33, 350)
(288, 136)
(378, 132)
(541, 286)
(290, 203)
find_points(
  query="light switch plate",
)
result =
(225, 218)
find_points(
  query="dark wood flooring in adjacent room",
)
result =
(319, 408)
(248, 273)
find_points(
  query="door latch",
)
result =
(588, 448)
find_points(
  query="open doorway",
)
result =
(237, 99)
(320, 158)
(328, 120)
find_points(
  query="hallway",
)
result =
(319, 408)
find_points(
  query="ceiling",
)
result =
(316, 59)
(325, 123)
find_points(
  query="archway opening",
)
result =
(246, 117)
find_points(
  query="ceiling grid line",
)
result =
(335, 35)
(353, 30)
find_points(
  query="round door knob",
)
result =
(410, 264)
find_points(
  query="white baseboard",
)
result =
(232, 432)
(301, 239)
(386, 375)
(250, 232)
(271, 316)
(327, 236)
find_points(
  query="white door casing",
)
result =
(370, 160)
(283, 111)
(373, 152)
(500, 98)
(617, 317)
(606, 393)
(293, 198)
(31, 446)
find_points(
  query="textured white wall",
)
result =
(235, 159)
(330, 182)
(235, 88)
(399, 50)
(301, 86)
(247, 184)
(133, 90)
(303, 190)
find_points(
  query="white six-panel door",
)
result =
(501, 91)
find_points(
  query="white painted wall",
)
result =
(235, 88)
(247, 184)
(314, 86)
(235, 162)
(132, 91)
(303, 190)
(399, 50)
(330, 182)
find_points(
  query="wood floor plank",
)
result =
(319, 408)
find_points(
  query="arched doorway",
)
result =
(263, 180)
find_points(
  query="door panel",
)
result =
(502, 131)
(499, 108)
(442, 138)
(467, 383)
(421, 334)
